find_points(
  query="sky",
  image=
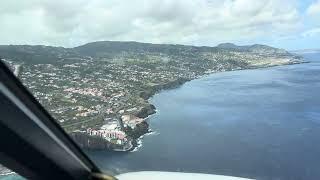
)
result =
(289, 24)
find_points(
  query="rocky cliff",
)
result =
(90, 142)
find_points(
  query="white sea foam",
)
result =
(150, 133)
(137, 148)
(139, 140)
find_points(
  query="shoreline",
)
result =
(149, 109)
(202, 76)
(211, 73)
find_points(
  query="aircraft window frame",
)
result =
(35, 145)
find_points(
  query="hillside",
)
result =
(100, 83)
(107, 49)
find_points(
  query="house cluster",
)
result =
(85, 91)
(84, 112)
(116, 136)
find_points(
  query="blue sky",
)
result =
(289, 24)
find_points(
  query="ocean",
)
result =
(261, 123)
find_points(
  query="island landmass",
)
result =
(99, 92)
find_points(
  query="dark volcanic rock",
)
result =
(147, 93)
(146, 111)
(90, 142)
(140, 129)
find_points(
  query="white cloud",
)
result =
(201, 22)
(311, 32)
(314, 8)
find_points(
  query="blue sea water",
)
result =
(262, 123)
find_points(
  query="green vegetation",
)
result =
(89, 85)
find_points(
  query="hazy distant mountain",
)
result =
(111, 49)
(103, 48)
(106, 48)
(306, 51)
(256, 48)
(228, 46)
(35, 54)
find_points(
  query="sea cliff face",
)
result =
(145, 111)
(147, 93)
(140, 129)
(90, 142)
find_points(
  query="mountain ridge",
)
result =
(109, 49)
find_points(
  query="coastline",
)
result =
(139, 140)
(124, 164)
(183, 81)
(136, 134)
